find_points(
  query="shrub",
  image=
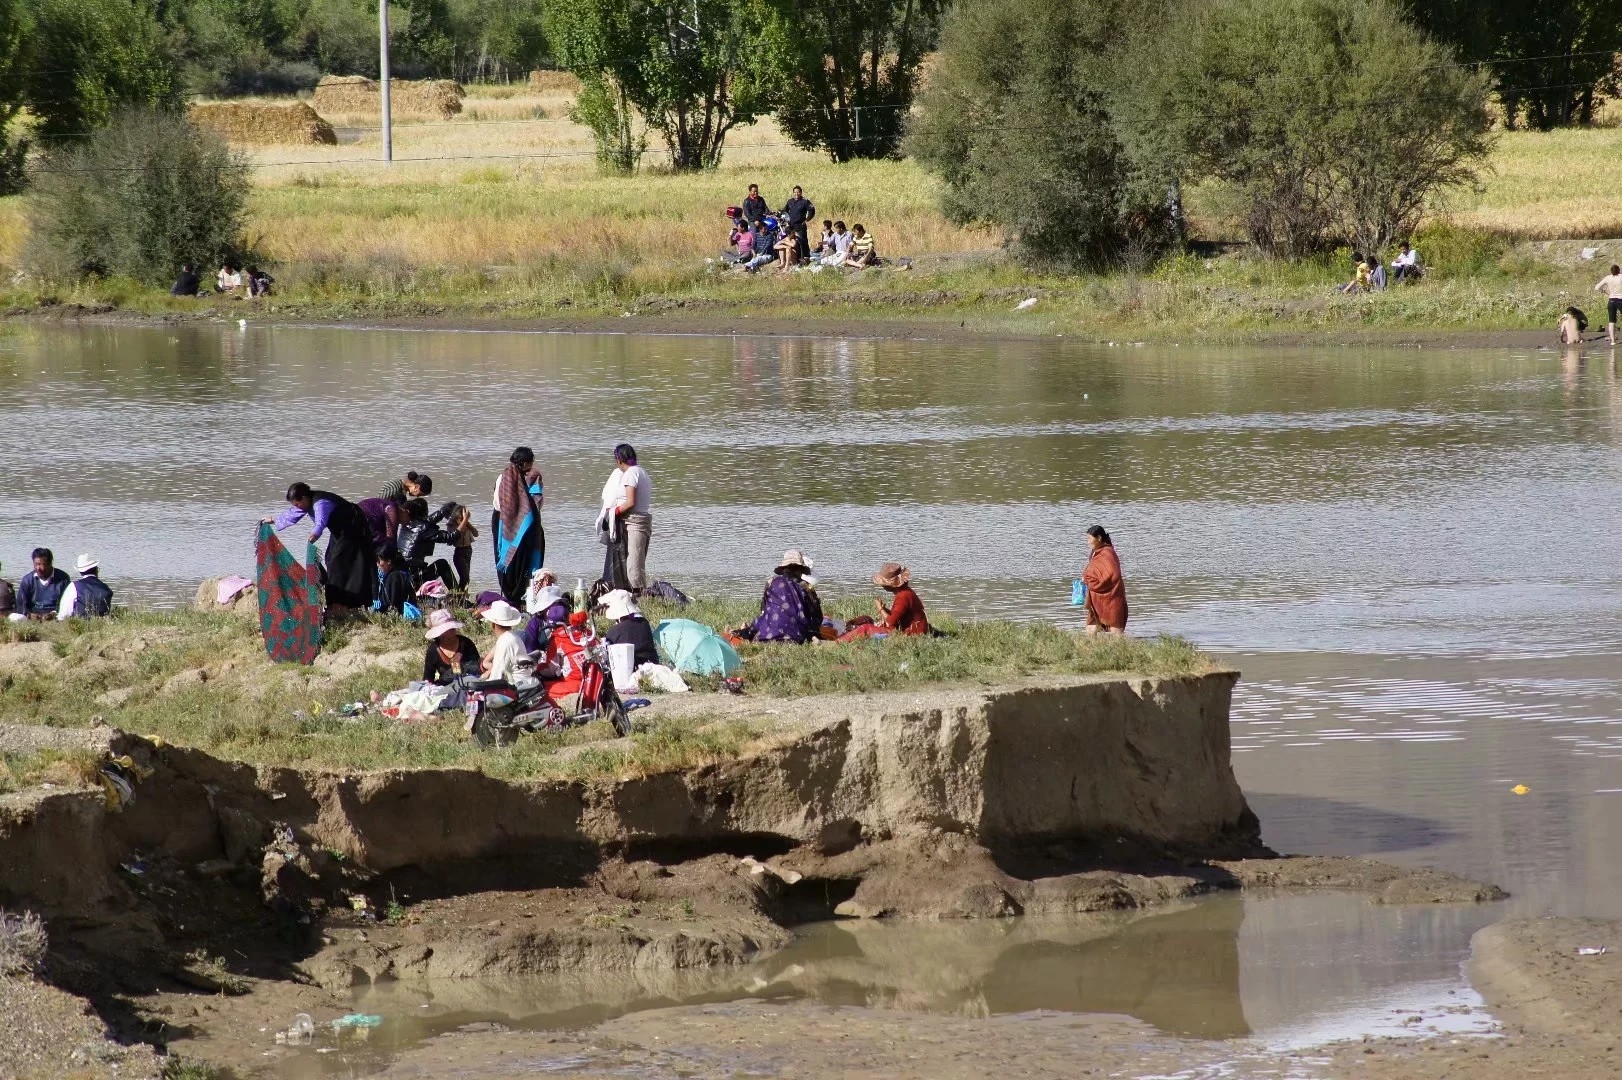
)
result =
(1336, 120)
(137, 199)
(1018, 120)
(22, 943)
(93, 58)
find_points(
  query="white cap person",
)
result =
(502, 663)
(89, 597)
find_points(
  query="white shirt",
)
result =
(1611, 286)
(70, 596)
(644, 488)
(504, 658)
(1407, 258)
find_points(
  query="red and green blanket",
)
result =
(289, 600)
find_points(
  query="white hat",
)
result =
(792, 557)
(502, 613)
(617, 604)
(440, 622)
(539, 600)
(86, 562)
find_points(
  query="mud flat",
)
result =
(273, 889)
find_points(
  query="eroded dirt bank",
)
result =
(283, 889)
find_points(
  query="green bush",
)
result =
(137, 199)
(1018, 119)
(92, 58)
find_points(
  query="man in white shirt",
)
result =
(840, 249)
(502, 663)
(1406, 266)
(635, 515)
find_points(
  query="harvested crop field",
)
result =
(439, 98)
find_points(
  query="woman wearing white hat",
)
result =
(450, 655)
(790, 610)
(502, 663)
(629, 628)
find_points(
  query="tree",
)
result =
(852, 72)
(428, 37)
(93, 57)
(1019, 119)
(1335, 120)
(16, 34)
(1550, 61)
(497, 38)
(138, 198)
(692, 69)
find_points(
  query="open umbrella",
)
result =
(695, 648)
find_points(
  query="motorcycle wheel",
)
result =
(612, 709)
(488, 733)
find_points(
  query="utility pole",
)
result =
(383, 66)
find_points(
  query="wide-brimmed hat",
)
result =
(502, 613)
(540, 599)
(892, 575)
(617, 604)
(86, 562)
(791, 558)
(440, 622)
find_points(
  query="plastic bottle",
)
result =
(580, 594)
(302, 1029)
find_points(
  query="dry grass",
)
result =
(23, 943)
(1549, 186)
(434, 98)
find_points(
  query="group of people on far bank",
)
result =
(759, 237)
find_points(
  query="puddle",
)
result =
(1282, 972)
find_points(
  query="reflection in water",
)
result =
(1279, 969)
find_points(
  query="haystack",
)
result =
(263, 123)
(440, 98)
(553, 82)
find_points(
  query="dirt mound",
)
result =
(1532, 973)
(263, 123)
(244, 603)
(344, 94)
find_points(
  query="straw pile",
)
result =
(553, 82)
(347, 94)
(263, 123)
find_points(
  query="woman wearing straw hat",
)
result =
(789, 609)
(905, 613)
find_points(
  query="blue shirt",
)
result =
(37, 596)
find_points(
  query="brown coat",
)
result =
(1106, 592)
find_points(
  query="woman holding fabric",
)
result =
(626, 517)
(1106, 592)
(351, 563)
(515, 523)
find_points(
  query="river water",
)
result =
(1409, 553)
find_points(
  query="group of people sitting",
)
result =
(759, 238)
(230, 280)
(1368, 274)
(47, 593)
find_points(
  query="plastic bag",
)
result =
(1078, 593)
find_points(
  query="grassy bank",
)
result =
(500, 213)
(203, 680)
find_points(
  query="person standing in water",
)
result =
(515, 522)
(1611, 286)
(1106, 592)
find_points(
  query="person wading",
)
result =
(515, 521)
(1106, 592)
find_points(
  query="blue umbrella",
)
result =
(695, 648)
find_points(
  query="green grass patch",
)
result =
(203, 680)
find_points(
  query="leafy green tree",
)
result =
(853, 69)
(93, 57)
(138, 198)
(1551, 61)
(429, 43)
(1019, 120)
(16, 38)
(692, 69)
(497, 38)
(1334, 120)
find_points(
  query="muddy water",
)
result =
(1410, 554)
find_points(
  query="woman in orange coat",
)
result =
(1106, 592)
